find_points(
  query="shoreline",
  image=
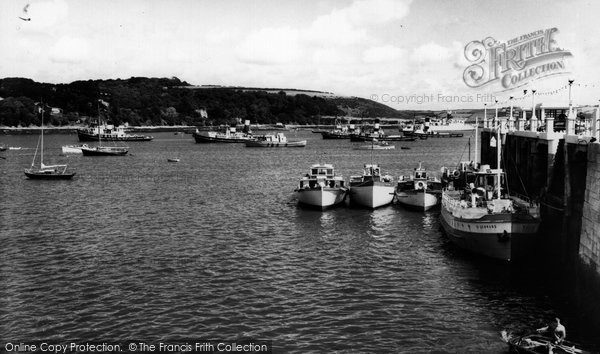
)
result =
(189, 129)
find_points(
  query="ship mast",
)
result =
(42, 152)
(476, 137)
(498, 151)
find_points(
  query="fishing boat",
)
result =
(103, 150)
(321, 188)
(536, 344)
(72, 149)
(228, 135)
(109, 132)
(14, 148)
(371, 189)
(47, 172)
(274, 140)
(173, 159)
(419, 191)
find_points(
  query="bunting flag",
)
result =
(528, 94)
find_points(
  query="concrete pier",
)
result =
(559, 167)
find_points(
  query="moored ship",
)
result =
(274, 140)
(419, 191)
(371, 189)
(228, 135)
(484, 219)
(109, 132)
(321, 188)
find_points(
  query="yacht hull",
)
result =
(102, 152)
(48, 176)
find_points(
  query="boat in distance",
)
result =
(46, 172)
(376, 146)
(321, 188)
(419, 191)
(72, 149)
(274, 140)
(109, 132)
(228, 135)
(104, 150)
(173, 159)
(371, 189)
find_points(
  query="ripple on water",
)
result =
(216, 247)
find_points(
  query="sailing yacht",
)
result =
(46, 171)
(103, 150)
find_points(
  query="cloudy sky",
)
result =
(393, 49)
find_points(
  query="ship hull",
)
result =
(418, 200)
(321, 198)
(330, 135)
(372, 196)
(502, 236)
(83, 136)
(200, 139)
(270, 144)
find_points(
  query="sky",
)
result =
(406, 54)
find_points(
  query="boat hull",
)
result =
(84, 136)
(321, 198)
(501, 236)
(330, 135)
(270, 144)
(534, 344)
(101, 152)
(200, 138)
(418, 199)
(48, 176)
(372, 196)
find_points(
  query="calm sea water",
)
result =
(215, 246)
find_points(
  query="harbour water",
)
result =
(215, 246)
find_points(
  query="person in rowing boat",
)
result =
(554, 330)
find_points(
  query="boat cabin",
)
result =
(320, 176)
(270, 138)
(371, 172)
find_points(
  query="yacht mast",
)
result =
(42, 152)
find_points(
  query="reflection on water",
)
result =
(216, 246)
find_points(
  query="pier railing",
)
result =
(587, 128)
